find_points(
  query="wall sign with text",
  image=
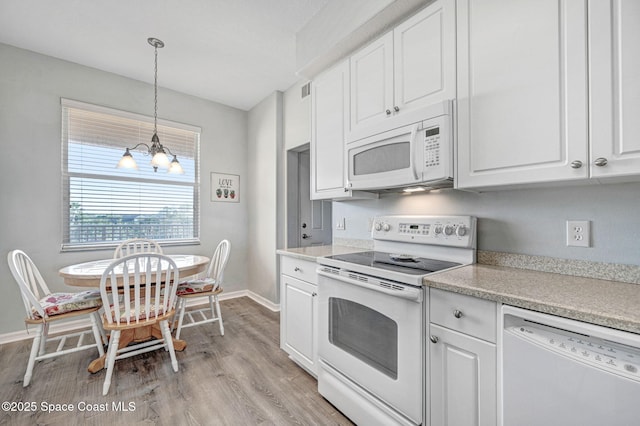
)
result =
(225, 188)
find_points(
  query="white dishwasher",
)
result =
(557, 371)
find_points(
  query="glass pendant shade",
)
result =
(175, 167)
(160, 159)
(127, 161)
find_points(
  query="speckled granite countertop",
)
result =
(314, 252)
(608, 303)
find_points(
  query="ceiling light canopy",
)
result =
(157, 152)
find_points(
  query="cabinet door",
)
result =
(614, 101)
(522, 107)
(462, 379)
(372, 84)
(299, 318)
(424, 57)
(329, 108)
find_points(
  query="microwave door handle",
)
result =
(412, 153)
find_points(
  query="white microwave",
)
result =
(416, 155)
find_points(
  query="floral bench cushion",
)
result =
(61, 303)
(196, 286)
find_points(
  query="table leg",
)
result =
(126, 337)
(139, 334)
(178, 345)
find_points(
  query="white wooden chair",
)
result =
(137, 245)
(44, 307)
(210, 287)
(138, 291)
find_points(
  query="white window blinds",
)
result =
(104, 205)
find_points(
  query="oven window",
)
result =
(385, 158)
(364, 333)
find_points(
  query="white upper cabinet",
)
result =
(329, 113)
(547, 91)
(614, 89)
(408, 68)
(522, 98)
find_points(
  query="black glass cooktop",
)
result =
(403, 263)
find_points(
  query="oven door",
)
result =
(386, 160)
(370, 338)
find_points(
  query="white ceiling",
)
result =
(235, 52)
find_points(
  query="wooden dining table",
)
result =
(89, 274)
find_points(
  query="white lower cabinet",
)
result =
(462, 360)
(299, 311)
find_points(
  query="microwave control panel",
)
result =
(436, 148)
(431, 147)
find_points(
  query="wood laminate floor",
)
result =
(241, 378)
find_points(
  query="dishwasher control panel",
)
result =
(620, 359)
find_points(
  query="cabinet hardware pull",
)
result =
(314, 294)
(576, 164)
(600, 162)
(396, 108)
(296, 269)
(457, 313)
(388, 112)
(434, 339)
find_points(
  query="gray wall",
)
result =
(524, 221)
(264, 189)
(31, 86)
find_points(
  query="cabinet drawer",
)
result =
(304, 270)
(466, 314)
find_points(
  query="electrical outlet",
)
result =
(578, 233)
(341, 225)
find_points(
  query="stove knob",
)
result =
(377, 226)
(386, 227)
(438, 230)
(448, 229)
(461, 231)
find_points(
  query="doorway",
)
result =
(308, 221)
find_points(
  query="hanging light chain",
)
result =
(155, 91)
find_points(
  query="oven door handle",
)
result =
(407, 292)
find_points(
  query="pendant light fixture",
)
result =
(157, 152)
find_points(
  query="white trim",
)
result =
(263, 301)
(58, 327)
(70, 103)
(67, 326)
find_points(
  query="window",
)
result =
(104, 205)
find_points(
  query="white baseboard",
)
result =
(263, 301)
(67, 326)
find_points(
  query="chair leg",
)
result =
(211, 307)
(219, 315)
(103, 334)
(43, 339)
(183, 305)
(166, 333)
(111, 360)
(96, 327)
(35, 348)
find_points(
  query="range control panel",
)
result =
(454, 231)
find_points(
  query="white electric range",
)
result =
(372, 316)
